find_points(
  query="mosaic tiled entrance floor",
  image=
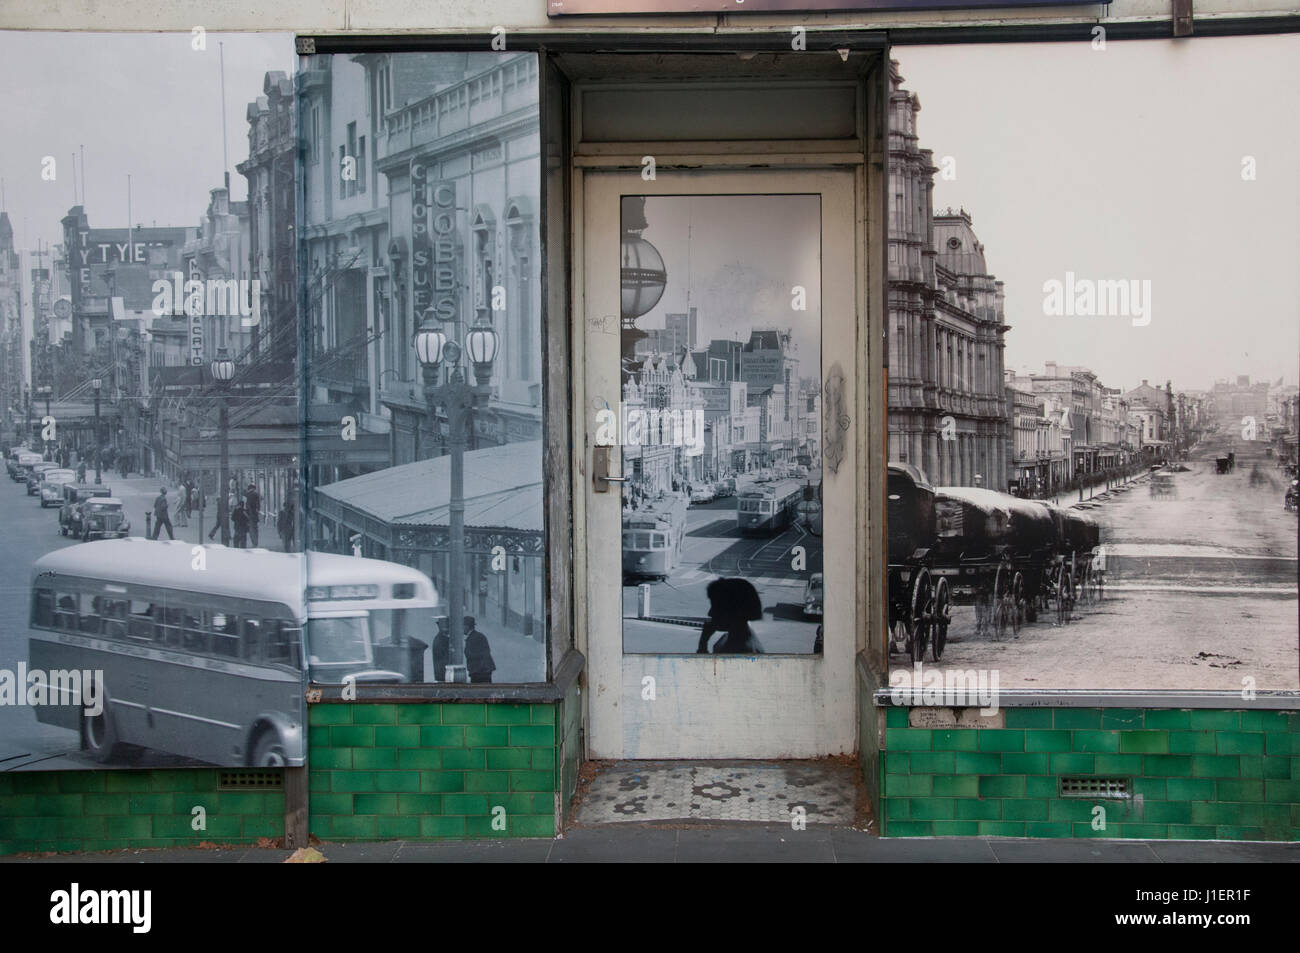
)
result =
(763, 791)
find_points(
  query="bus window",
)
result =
(251, 647)
(282, 644)
(140, 625)
(88, 612)
(225, 634)
(113, 613)
(43, 608)
(65, 613)
(194, 636)
(395, 626)
(167, 623)
(339, 640)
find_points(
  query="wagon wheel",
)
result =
(1001, 593)
(1083, 582)
(1036, 594)
(1058, 593)
(918, 624)
(1017, 596)
(941, 610)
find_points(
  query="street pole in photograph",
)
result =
(45, 390)
(223, 369)
(27, 396)
(99, 451)
(457, 398)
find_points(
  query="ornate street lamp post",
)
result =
(99, 450)
(457, 399)
(223, 369)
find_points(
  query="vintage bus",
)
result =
(769, 508)
(206, 654)
(653, 536)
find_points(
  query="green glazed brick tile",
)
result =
(1209, 813)
(1028, 718)
(1190, 832)
(376, 803)
(1118, 764)
(909, 785)
(274, 802)
(330, 804)
(932, 762)
(381, 759)
(476, 804)
(1023, 809)
(442, 782)
(122, 782)
(397, 736)
(1280, 768)
(509, 714)
(23, 805)
(464, 759)
(1265, 721)
(1190, 789)
(415, 759)
(365, 714)
(909, 829)
(1251, 766)
(1279, 744)
(1143, 831)
(955, 828)
(83, 828)
(1081, 829)
(266, 826)
(907, 739)
(1215, 766)
(1192, 742)
(419, 804)
(1167, 719)
(497, 736)
(543, 803)
(543, 759)
(329, 758)
(1001, 828)
(1069, 809)
(1121, 718)
(1241, 742)
(1276, 791)
(1001, 739)
(318, 736)
(469, 714)
(1241, 790)
(895, 717)
(352, 736)
(419, 714)
(543, 714)
(1168, 765)
(148, 804)
(1275, 819)
(967, 762)
(1071, 718)
(355, 826)
(1072, 764)
(352, 781)
(239, 802)
(93, 782)
(531, 825)
(178, 826)
(1105, 742)
(1009, 786)
(898, 808)
(520, 803)
(532, 780)
(932, 809)
(442, 827)
(318, 780)
(1216, 720)
(139, 826)
(1144, 742)
(43, 782)
(1153, 789)
(397, 781)
(954, 740)
(438, 736)
(1048, 829)
(329, 714)
(398, 826)
(1044, 787)
(1049, 741)
(105, 804)
(1167, 812)
(1240, 833)
(1037, 763)
(899, 762)
(972, 809)
(956, 786)
(503, 759)
(487, 781)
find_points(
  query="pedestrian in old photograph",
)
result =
(284, 525)
(441, 652)
(733, 604)
(161, 515)
(239, 523)
(182, 507)
(253, 505)
(81, 471)
(478, 654)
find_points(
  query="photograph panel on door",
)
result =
(421, 238)
(150, 401)
(719, 424)
(1092, 379)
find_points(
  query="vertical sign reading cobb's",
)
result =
(434, 245)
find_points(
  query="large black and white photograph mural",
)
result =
(720, 423)
(1093, 400)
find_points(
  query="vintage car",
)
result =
(702, 493)
(23, 463)
(812, 596)
(52, 484)
(74, 494)
(35, 474)
(103, 516)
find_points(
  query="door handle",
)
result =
(600, 477)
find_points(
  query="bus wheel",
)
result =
(99, 735)
(269, 751)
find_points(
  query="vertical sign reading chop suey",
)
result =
(434, 245)
(421, 246)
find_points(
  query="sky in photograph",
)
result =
(1126, 163)
(146, 105)
(735, 259)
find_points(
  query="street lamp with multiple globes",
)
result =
(457, 399)
(223, 369)
(96, 384)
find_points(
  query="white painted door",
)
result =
(720, 327)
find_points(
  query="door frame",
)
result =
(619, 723)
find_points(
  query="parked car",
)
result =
(702, 493)
(26, 459)
(74, 494)
(812, 596)
(35, 473)
(103, 516)
(726, 487)
(52, 483)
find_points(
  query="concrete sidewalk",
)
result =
(742, 843)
